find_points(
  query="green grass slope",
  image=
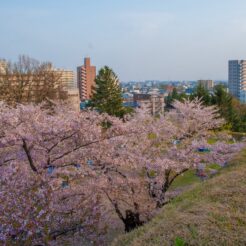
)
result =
(212, 213)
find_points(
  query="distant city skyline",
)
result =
(139, 39)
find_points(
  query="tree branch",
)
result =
(88, 144)
(115, 205)
(29, 157)
(175, 176)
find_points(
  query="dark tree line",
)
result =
(230, 108)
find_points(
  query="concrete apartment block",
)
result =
(208, 84)
(237, 79)
(86, 75)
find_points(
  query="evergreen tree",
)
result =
(224, 101)
(203, 93)
(240, 113)
(107, 93)
(230, 108)
(172, 96)
(220, 96)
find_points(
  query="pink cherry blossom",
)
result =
(65, 172)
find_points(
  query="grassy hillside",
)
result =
(213, 213)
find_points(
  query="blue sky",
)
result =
(139, 39)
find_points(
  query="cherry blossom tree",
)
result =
(64, 172)
(47, 187)
(145, 163)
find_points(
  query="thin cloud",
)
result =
(147, 23)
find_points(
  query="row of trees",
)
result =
(29, 80)
(230, 108)
(64, 172)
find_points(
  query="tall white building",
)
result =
(3, 66)
(237, 79)
(66, 78)
(207, 84)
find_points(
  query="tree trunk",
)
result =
(161, 202)
(132, 221)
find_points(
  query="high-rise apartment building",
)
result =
(237, 79)
(86, 75)
(3, 66)
(207, 84)
(66, 78)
